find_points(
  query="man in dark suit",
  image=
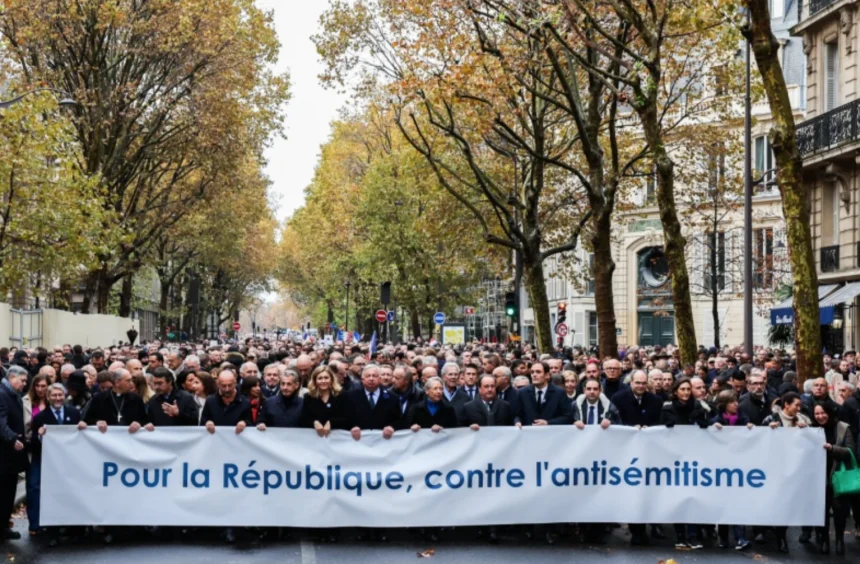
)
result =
(487, 410)
(402, 386)
(58, 414)
(470, 381)
(454, 396)
(504, 389)
(370, 408)
(170, 406)
(13, 456)
(283, 410)
(542, 403)
(637, 407)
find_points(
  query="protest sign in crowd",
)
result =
(260, 385)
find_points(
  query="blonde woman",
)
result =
(322, 409)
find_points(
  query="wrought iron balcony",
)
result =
(815, 6)
(829, 130)
(830, 258)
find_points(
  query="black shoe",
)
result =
(824, 547)
(108, 539)
(230, 536)
(783, 546)
(759, 538)
(657, 532)
(9, 534)
(804, 537)
(839, 547)
(493, 538)
(550, 539)
(53, 542)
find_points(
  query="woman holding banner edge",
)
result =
(840, 447)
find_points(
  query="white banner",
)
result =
(292, 478)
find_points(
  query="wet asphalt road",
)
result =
(461, 545)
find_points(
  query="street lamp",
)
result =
(346, 322)
(65, 102)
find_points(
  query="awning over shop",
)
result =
(783, 312)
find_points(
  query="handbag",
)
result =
(846, 481)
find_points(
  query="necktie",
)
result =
(370, 399)
(490, 419)
(540, 398)
(591, 416)
(471, 393)
(58, 417)
(403, 400)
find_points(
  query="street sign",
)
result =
(381, 315)
(561, 330)
(391, 315)
(236, 326)
(439, 318)
(468, 310)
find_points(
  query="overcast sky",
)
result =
(311, 109)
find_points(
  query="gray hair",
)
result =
(57, 386)
(192, 358)
(67, 369)
(807, 386)
(431, 381)
(503, 371)
(368, 366)
(449, 366)
(849, 385)
(521, 378)
(16, 371)
(244, 364)
(758, 372)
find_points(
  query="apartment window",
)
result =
(777, 9)
(831, 75)
(651, 188)
(830, 215)
(715, 242)
(589, 286)
(764, 161)
(763, 258)
(592, 328)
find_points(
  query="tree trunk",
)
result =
(715, 286)
(90, 286)
(103, 293)
(126, 296)
(795, 206)
(674, 240)
(536, 288)
(415, 322)
(604, 300)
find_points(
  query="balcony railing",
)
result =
(830, 258)
(829, 130)
(815, 6)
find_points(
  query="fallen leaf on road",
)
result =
(670, 561)
(427, 553)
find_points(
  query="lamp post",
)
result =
(748, 185)
(65, 102)
(346, 321)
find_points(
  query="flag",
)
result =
(372, 345)
(356, 336)
(340, 336)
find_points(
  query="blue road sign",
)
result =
(439, 318)
(391, 315)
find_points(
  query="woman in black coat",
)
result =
(432, 412)
(683, 409)
(322, 406)
(840, 445)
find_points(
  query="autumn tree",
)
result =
(492, 144)
(795, 201)
(50, 213)
(171, 98)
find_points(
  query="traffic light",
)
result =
(511, 304)
(562, 312)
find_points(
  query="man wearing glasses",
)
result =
(755, 404)
(612, 383)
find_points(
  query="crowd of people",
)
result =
(415, 386)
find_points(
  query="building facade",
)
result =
(829, 142)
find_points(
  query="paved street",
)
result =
(459, 546)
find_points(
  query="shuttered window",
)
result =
(831, 75)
